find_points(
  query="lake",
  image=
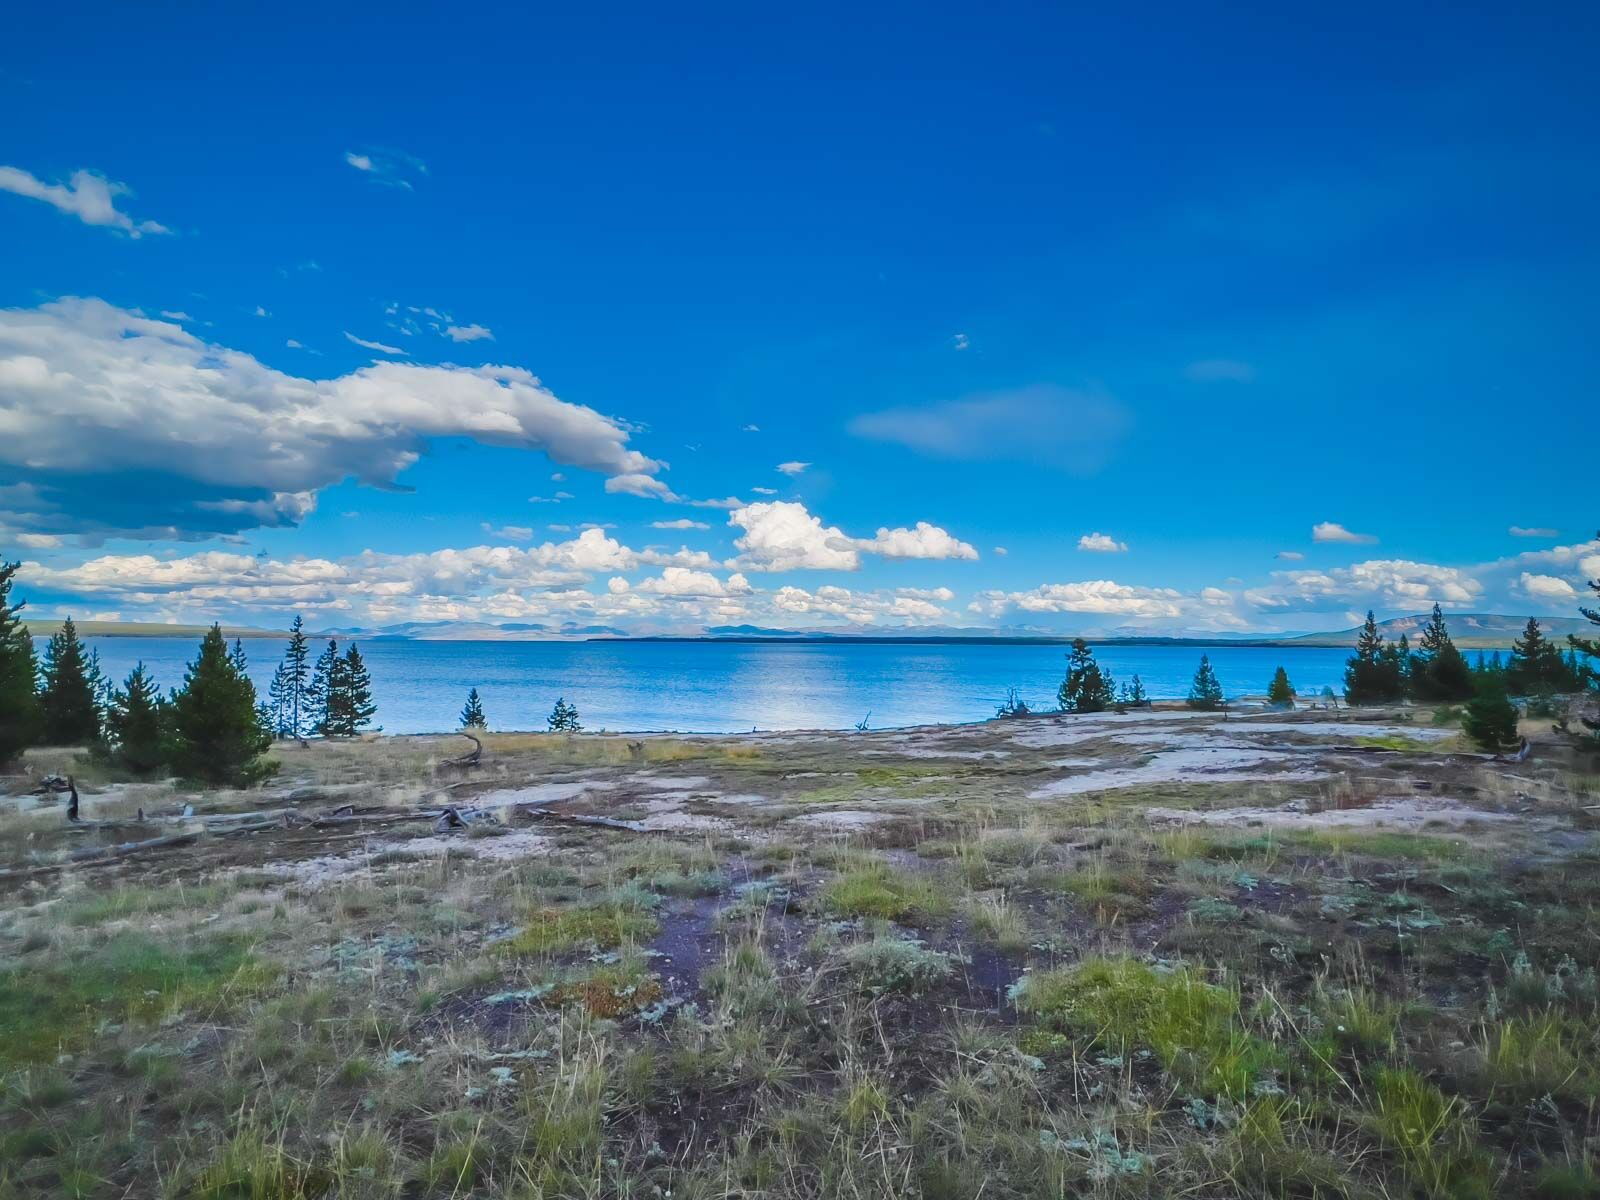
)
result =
(721, 687)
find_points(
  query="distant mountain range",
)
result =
(1471, 631)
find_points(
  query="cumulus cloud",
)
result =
(86, 195)
(1332, 531)
(681, 582)
(1073, 430)
(1547, 587)
(793, 468)
(38, 541)
(468, 333)
(857, 608)
(94, 398)
(1381, 581)
(1101, 543)
(781, 535)
(1534, 531)
(924, 541)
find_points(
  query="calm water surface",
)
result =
(709, 687)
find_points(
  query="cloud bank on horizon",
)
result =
(1304, 347)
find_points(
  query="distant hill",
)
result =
(1470, 631)
(147, 629)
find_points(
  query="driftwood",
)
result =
(470, 759)
(1521, 754)
(550, 814)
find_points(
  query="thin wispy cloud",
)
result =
(87, 195)
(793, 468)
(378, 346)
(468, 333)
(391, 168)
(1332, 531)
(1534, 531)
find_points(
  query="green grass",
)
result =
(1192, 1026)
(1431, 1134)
(1549, 1054)
(876, 889)
(559, 930)
(55, 1006)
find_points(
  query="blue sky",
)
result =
(1176, 318)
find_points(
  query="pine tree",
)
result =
(1491, 718)
(472, 715)
(323, 693)
(358, 709)
(136, 724)
(69, 695)
(1439, 673)
(19, 674)
(1205, 692)
(1374, 674)
(1136, 696)
(217, 734)
(1534, 668)
(564, 718)
(1085, 689)
(1587, 646)
(1280, 692)
(297, 681)
(278, 702)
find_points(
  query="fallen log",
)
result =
(550, 814)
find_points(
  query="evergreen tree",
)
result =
(1205, 692)
(324, 689)
(1491, 718)
(136, 724)
(564, 718)
(1534, 668)
(217, 733)
(19, 674)
(278, 702)
(69, 695)
(1374, 674)
(297, 681)
(1085, 689)
(472, 715)
(357, 710)
(1439, 673)
(1280, 692)
(1136, 696)
(1587, 646)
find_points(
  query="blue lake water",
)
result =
(709, 687)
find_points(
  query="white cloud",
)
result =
(1547, 587)
(751, 429)
(378, 346)
(857, 608)
(1101, 543)
(1533, 532)
(94, 398)
(781, 535)
(392, 168)
(960, 342)
(261, 312)
(941, 594)
(1220, 370)
(1001, 551)
(793, 468)
(468, 333)
(294, 345)
(1332, 531)
(680, 523)
(764, 491)
(1377, 581)
(1289, 555)
(925, 541)
(682, 582)
(88, 196)
(1074, 430)
(38, 541)
(175, 315)
(636, 484)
